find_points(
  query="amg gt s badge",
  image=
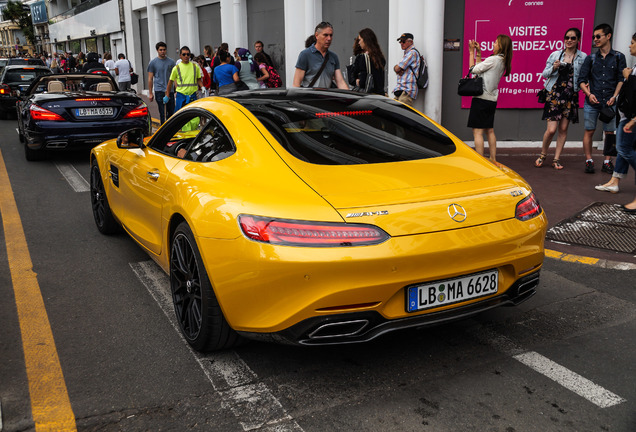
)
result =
(373, 213)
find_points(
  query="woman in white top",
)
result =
(482, 108)
(109, 64)
(248, 68)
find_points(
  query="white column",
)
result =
(407, 16)
(234, 23)
(301, 18)
(156, 30)
(433, 52)
(624, 28)
(188, 24)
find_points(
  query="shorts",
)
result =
(482, 114)
(590, 114)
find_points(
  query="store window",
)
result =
(76, 46)
(91, 45)
(106, 44)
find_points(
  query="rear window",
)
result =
(24, 75)
(23, 61)
(349, 131)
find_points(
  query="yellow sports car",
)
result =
(318, 217)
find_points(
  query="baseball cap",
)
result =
(405, 36)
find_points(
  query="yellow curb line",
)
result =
(589, 261)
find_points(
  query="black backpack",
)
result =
(627, 97)
(422, 74)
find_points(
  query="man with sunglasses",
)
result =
(158, 74)
(186, 77)
(406, 88)
(601, 80)
(317, 66)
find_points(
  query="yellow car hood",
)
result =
(414, 197)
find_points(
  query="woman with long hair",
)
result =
(561, 107)
(482, 109)
(372, 61)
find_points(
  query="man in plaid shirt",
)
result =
(406, 89)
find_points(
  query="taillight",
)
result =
(528, 208)
(140, 111)
(5, 89)
(307, 233)
(39, 113)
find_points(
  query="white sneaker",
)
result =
(612, 189)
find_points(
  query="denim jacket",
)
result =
(551, 75)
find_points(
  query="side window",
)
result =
(176, 136)
(212, 144)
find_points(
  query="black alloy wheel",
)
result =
(104, 219)
(198, 311)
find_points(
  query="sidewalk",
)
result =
(562, 194)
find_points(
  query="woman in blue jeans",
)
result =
(626, 134)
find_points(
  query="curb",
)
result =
(614, 265)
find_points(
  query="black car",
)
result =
(65, 111)
(14, 79)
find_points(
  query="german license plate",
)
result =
(448, 291)
(90, 112)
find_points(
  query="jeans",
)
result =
(590, 115)
(124, 85)
(169, 106)
(181, 100)
(626, 154)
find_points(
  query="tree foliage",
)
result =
(20, 14)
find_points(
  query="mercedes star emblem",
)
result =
(457, 213)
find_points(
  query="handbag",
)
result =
(470, 86)
(542, 96)
(351, 71)
(606, 114)
(240, 85)
(134, 78)
(369, 85)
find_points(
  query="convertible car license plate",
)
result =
(88, 112)
(444, 292)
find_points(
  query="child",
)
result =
(269, 76)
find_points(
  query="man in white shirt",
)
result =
(123, 69)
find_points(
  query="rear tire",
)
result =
(33, 155)
(198, 311)
(104, 219)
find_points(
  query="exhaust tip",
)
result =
(339, 329)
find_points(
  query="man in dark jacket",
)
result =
(92, 63)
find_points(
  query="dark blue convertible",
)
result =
(66, 111)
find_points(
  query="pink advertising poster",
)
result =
(536, 29)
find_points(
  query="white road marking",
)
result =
(253, 404)
(560, 374)
(73, 177)
(570, 380)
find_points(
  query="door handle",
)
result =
(153, 175)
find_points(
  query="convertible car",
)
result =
(314, 217)
(66, 111)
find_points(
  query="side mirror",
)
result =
(132, 138)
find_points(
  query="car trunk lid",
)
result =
(418, 196)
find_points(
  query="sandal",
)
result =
(557, 164)
(539, 162)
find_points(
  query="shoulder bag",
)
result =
(322, 68)
(369, 85)
(351, 71)
(134, 78)
(470, 86)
